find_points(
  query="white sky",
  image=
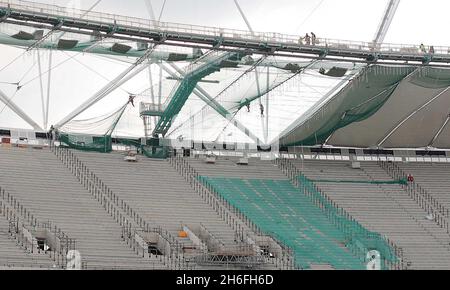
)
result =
(356, 20)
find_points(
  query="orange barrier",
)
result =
(182, 234)
(6, 140)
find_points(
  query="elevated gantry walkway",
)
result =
(101, 25)
(205, 66)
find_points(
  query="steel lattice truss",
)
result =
(204, 83)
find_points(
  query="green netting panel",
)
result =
(92, 134)
(279, 209)
(359, 100)
(360, 237)
(150, 150)
(195, 72)
(433, 78)
(87, 142)
(129, 142)
(158, 152)
(402, 181)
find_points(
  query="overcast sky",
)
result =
(415, 21)
(355, 20)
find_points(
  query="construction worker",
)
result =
(307, 39)
(261, 107)
(50, 132)
(313, 38)
(247, 104)
(422, 48)
(431, 49)
(131, 99)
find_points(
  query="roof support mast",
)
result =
(265, 128)
(151, 11)
(124, 77)
(200, 92)
(385, 23)
(16, 109)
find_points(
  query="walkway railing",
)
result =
(201, 33)
(421, 196)
(236, 219)
(120, 210)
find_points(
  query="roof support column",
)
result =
(204, 96)
(386, 21)
(50, 57)
(125, 76)
(18, 111)
(41, 84)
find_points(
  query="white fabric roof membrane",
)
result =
(359, 98)
(412, 116)
(284, 95)
(287, 88)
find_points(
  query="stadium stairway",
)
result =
(437, 209)
(279, 208)
(383, 208)
(21, 225)
(42, 183)
(433, 177)
(14, 256)
(159, 194)
(227, 167)
(277, 255)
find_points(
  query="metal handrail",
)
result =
(220, 205)
(19, 217)
(272, 37)
(121, 211)
(287, 167)
(420, 195)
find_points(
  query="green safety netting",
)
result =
(207, 65)
(128, 142)
(359, 100)
(402, 181)
(87, 142)
(79, 134)
(317, 234)
(150, 150)
(362, 238)
(270, 83)
(433, 78)
(159, 152)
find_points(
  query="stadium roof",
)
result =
(305, 101)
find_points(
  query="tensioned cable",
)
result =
(18, 87)
(96, 72)
(23, 53)
(13, 61)
(9, 100)
(6, 83)
(162, 10)
(310, 14)
(52, 68)
(40, 75)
